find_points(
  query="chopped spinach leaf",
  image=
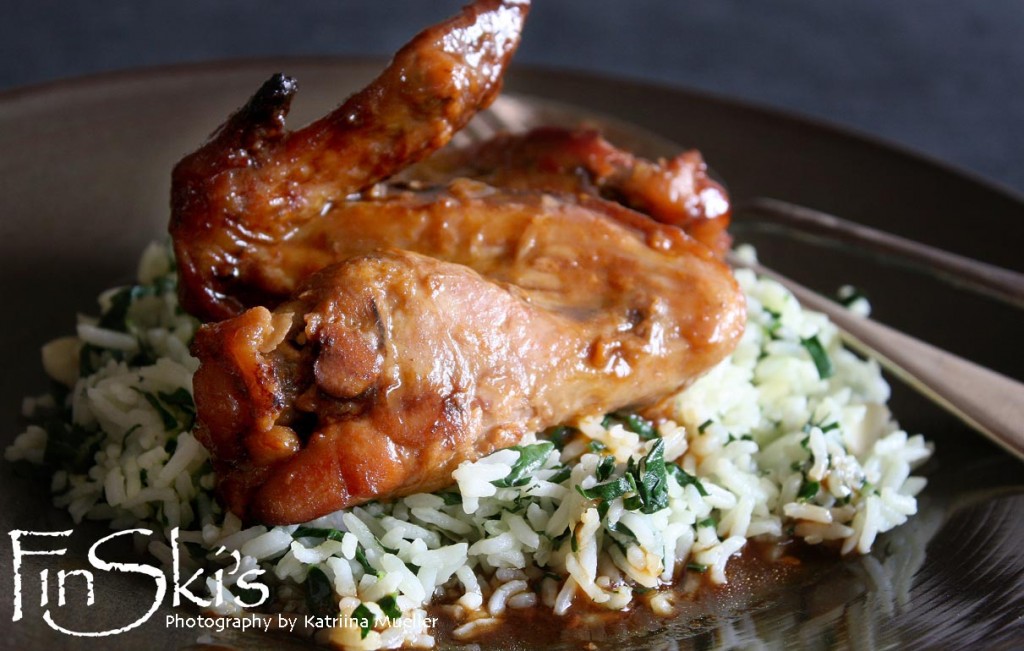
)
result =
(776, 322)
(365, 619)
(637, 424)
(317, 532)
(819, 356)
(389, 604)
(684, 478)
(129, 432)
(113, 318)
(561, 475)
(622, 529)
(320, 594)
(69, 447)
(632, 503)
(808, 490)
(531, 459)
(361, 559)
(605, 467)
(169, 421)
(180, 398)
(608, 491)
(652, 480)
(451, 499)
(560, 435)
(811, 424)
(644, 484)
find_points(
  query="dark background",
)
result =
(942, 77)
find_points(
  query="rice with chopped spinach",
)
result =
(788, 437)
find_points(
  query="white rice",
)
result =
(769, 447)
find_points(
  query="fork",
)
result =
(988, 402)
(995, 282)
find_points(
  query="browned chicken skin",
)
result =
(678, 192)
(419, 324)
(254, 182)
(588, 307)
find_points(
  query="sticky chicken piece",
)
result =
(254, 182)
(530, 239)
(258, 209)
(679, 191)
(496, 311)
(388, 370)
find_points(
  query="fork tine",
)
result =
(465, 137)
(481, 128)
(510, 116)
(504, 115)
(477, 131)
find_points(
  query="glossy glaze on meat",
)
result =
(253, 182)
(678, 191)
(583, 307)
(368, 336)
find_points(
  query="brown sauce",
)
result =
(757, 578)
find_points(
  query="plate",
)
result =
(84, 185)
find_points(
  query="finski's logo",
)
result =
(180, 589)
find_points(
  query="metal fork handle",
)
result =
(988, 402)
(991, 280)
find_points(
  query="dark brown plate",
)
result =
(84, 178)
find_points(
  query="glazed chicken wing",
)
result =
(255, 190)
(254, 182)
(368, 336)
